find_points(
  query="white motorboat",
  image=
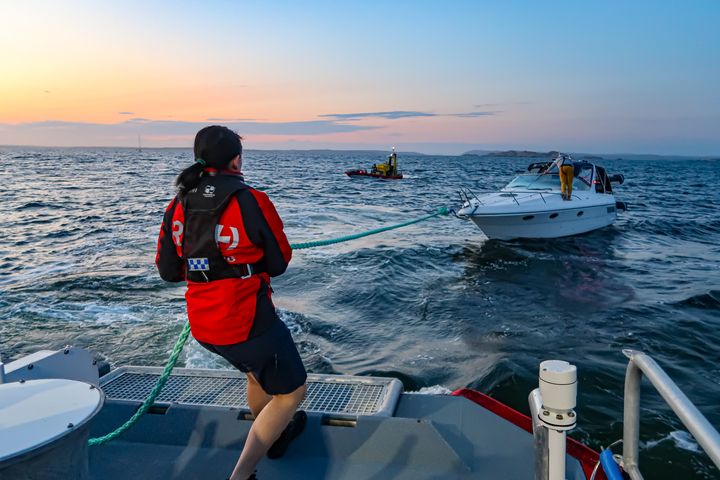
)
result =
(532, 205)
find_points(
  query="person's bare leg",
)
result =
(266, 428)
(256, 396)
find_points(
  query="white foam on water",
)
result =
(288, 319)
(197, 357)
(682, 440)
(35, 274)
(45, 311)
(105, 314)
(685, 441)
(433, 390)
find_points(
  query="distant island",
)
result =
(513, 153)
(528, 154)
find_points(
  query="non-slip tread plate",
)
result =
(326, 394)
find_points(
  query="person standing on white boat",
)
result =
(226, 240)
(567, 174)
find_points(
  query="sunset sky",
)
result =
(435, 77)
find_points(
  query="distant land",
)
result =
(512, 153)
(580, 156)
(528, 154)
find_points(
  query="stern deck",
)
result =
(358, 428)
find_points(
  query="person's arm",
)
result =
(169, 264)
(265, 229)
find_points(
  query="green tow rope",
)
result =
(153, 393)
(332, 241)
(165, 376)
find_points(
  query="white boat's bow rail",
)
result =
(341, 396)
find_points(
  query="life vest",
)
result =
(202, 207)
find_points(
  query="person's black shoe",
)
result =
(294, 428)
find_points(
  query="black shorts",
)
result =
(271, 357)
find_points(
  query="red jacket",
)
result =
(223, 312)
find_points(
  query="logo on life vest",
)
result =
(198, 264)
(226, 239)
(209, 191)
(177, 231)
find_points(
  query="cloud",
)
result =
(309, 127)
(491, 105)
(397, 114)
(387, 115)
(126, 113)
(54, 132)
(472, 114)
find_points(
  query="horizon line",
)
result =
(708, 156)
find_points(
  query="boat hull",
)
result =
(546, 224)
(365, 173)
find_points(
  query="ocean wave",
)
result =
(37, 205)
(678, 228)
(680, 438)
(705, 301)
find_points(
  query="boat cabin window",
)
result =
(583, 173)
(548, 181)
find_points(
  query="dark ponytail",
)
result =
(215, 147)
(189, 178)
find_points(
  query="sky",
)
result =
(434, 77)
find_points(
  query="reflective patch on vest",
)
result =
(198, 264)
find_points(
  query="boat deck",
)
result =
(342, 396)
(358, 428)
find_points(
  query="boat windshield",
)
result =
(551, 180)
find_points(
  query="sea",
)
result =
(435, 304)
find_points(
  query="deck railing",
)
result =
(705, 434)
(551, 409)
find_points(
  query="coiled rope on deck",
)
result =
(175, 353)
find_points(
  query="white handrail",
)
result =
(705, 434)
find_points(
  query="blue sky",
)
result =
(636, 77)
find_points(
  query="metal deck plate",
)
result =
(333, 394)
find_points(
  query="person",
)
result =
(226, 240)
(567, 174)
(390, 171)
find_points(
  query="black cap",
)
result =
(217, 145)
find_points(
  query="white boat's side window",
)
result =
(548, 181)
(585, 174)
